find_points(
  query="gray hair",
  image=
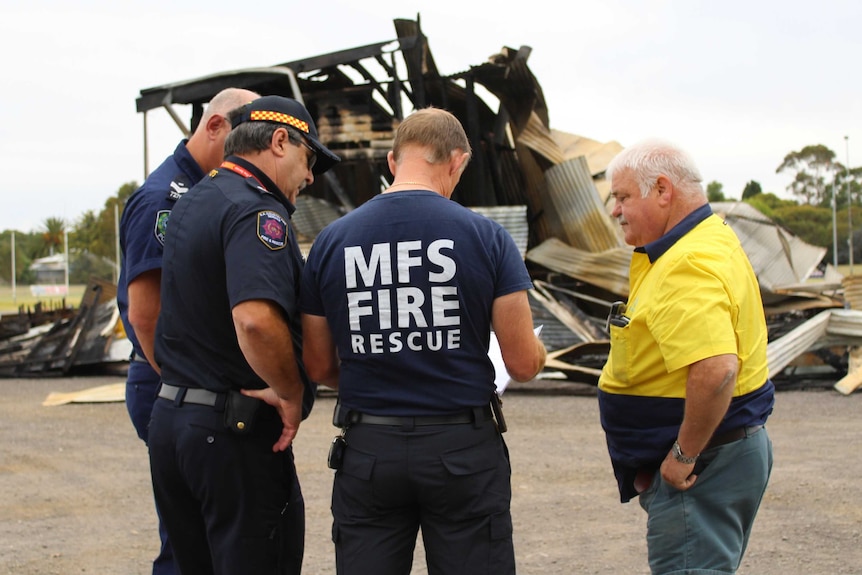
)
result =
(251, 137)
(649, 159)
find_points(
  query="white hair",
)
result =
(649, 159)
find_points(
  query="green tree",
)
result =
(53, 230)
(94, 239)
(751, 189)
(814, 168)
(714, 192)
(768, 203)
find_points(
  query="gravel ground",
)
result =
(75, 495)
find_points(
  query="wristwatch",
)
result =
(678, 455)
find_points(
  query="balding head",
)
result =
(225, 101)
(206, 145)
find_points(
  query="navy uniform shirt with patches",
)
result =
(229, 242)
(142, 227)
(406, 282)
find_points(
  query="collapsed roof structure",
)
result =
(545, 186)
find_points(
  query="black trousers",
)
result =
(142, 384)
(230, 505)
(452, 481)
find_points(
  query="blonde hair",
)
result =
(435, 129)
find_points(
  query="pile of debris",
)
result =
(89, 338)
(545, 186)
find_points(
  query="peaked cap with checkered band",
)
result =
(282, 110)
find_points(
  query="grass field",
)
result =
(10, 303)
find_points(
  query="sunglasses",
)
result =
(312, 157)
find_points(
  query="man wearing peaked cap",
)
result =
(228, 342)
(142, 236)
(281, 110)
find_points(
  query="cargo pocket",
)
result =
(477, 482)
(352, 491)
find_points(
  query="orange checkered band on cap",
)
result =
(263, 115)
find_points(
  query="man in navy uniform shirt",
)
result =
(398, 298)
(142, 239)
(221, 459)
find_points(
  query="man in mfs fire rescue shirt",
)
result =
(398, 299)
(142, 240)
(229, 346)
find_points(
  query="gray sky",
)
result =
(739, 84)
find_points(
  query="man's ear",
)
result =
(458, 162)
(279, 142)
(665, 190)
(390, 161)
(215, 124)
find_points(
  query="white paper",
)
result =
(501, 376)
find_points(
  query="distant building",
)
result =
(50, 274)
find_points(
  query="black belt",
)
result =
(195, 395)
(469, 416)
(138, 358)
(732, 435)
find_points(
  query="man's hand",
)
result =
(678, 475)
(290, 412)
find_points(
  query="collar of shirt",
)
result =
(264, 181)
(187, 163)
(654, 250)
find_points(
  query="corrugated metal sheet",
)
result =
(555, 334)
(578, 216)
(312, 215)
(537, 137)
(780, 259)
(853, 291)
(837, 327)
(598, 154)
(514, 219)
(608, 269)
(780, 352)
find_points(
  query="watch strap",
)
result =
(679, 456)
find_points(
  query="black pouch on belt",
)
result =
(240, 412)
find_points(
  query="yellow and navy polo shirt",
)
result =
(693, 295)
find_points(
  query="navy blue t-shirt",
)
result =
(229, 241)
(144, 222)
(406, 282)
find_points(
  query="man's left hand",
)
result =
(677, 475)
(290, 412)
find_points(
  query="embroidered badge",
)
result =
(272, 229)
(161, 225)
(179, 186)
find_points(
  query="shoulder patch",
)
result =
(179, 186)
(161, 225)
(272, 229)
